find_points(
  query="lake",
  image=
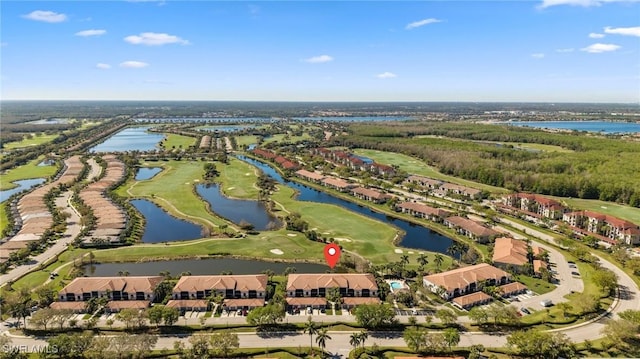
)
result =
(355, 118)
(230, 128)
(130, 139)
(145, 173)
(162, 227)
(416, 236)
(22, 185)
(200, 267)
(589, 126)
(237, 210)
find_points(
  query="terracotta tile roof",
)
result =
(128, 284)
(461, 277)
(538, 264)
(193, 283)
(471, 226)
(306, 301)
(128, 304)
(187, 303)
(510, 251)
(244, 302)
(471, 299)
(423, 208)
(454, 187)
(355, 281)
(353, 301)
(75, 306)
(336, 182)
(310, 175)
(369, 192)
(423, 179)
(512, 288)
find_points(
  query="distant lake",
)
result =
(49, 121)
(162, 227)
(206, 119)
(145, 173)
(200, 267)
(355, 119)
(589, 126)
(130, 139)
(230, 128)
(22, 185)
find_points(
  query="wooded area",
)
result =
(605, 168)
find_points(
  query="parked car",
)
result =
(525, 310)
(575, 273)
(546, 303)
(309, 310)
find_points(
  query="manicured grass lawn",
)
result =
(631, 214)
(537, 285)
(238, 179)
(173, 140)
(246, 140)
(282, 137)
(4, 220)
(415, 166)
(30, 170)
(37, 139)
(173, 190)
(256, 246)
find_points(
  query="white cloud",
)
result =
(565, 50)
(319, 59)
(628, 31)
(538, 55)
(254, 9)
(386, 75)
(599, 48)
(585, 3)
(594, 35)
(133, 64)
(420, 23)
(92, 32)
(102, 66)
(45, 16)
(154, 39)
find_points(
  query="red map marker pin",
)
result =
(332, 254)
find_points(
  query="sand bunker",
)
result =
(230, 188)
(277, 251)
(342, 239)
(291, 234)
(399, 251)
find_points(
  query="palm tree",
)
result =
(438, 259)
(311, 328)
(354, 340)
(422, 260)
(322, 338)
(363, 336)
(404, 260)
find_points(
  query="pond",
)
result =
(415, 236)
(130, 139)
(145, 173)
(200, 267)
(162, 227)
(237, 210)
(22, 185)
(354, 118)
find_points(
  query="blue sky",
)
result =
(547, 50)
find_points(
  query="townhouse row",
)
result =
(354, 162)
(238, 291)
(604, 227)
(33, 215)
(367, 194)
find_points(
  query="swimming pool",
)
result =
(396, 285)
